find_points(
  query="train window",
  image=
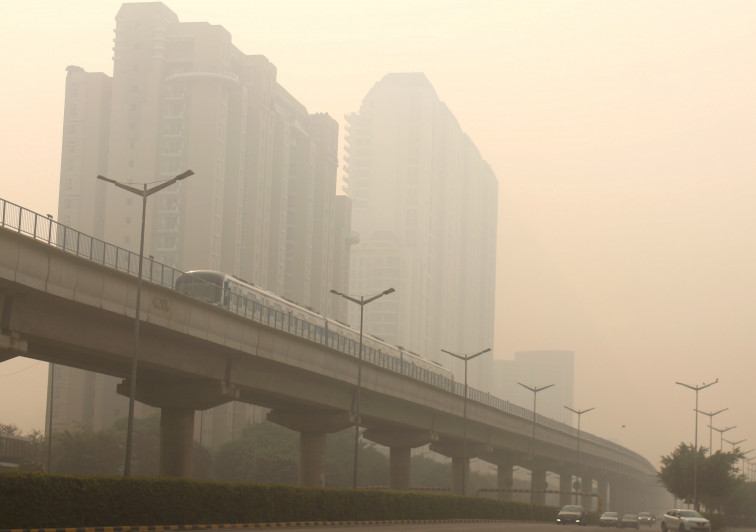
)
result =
(199, 288)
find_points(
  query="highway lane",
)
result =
(498, 526)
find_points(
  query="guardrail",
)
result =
(45, 229)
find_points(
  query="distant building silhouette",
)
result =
(425, 209)
(262, 204)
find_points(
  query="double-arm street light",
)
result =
(144, 192)
(579, 476)
(535, 390)
(361, 301)
(695, 450)
(735, 443)
(711, 416)
(465, 358)
(721, 434)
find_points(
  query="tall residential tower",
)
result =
(261, 204)
(425, 208)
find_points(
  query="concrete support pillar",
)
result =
(587, 487)
(537, 485)
(460, 475)
(399, 467)
(635, 498)
(313, 426)
(505, 480)
(177, 400)
(312, 448)
(565, 487)
(400, 444)
(176, 441)
(603, 492)
(617, 498)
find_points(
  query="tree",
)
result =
(716, 475)
(264, 452)
(429, 473)
(87, 453)
(719, 479)
(372, 468)
(740, 506)
(145, 454)
(10, 429)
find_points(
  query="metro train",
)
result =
(244, 298)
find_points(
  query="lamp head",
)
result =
(103, 178)
(184, 175)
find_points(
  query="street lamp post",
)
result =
(50, 418)
(743, 460)
(361, 302)
(735, 443)
(721, 432)
(465, 358)
(144, 192)
(711, 416)
(695, 450)
(535, 390)
(579, 415)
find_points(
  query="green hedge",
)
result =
(37, 500)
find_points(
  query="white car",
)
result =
(684, 521)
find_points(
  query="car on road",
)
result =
(646, 518)
(629, 521)
(609, 519)
(683, 520)
(571, 513)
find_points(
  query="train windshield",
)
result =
(204, 286)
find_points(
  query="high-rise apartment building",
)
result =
(425, 208)
(261, 204)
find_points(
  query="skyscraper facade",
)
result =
(261, 204)
(425, 208)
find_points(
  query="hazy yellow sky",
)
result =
(622, 135)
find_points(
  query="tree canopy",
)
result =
(716, 479)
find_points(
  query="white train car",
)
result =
(244, 298)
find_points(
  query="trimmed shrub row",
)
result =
(37, 500)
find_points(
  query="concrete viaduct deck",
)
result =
(62, 308)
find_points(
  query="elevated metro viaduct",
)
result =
(62, 308)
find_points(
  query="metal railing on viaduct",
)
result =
(498, 430)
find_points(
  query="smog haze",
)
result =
(622, 135)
